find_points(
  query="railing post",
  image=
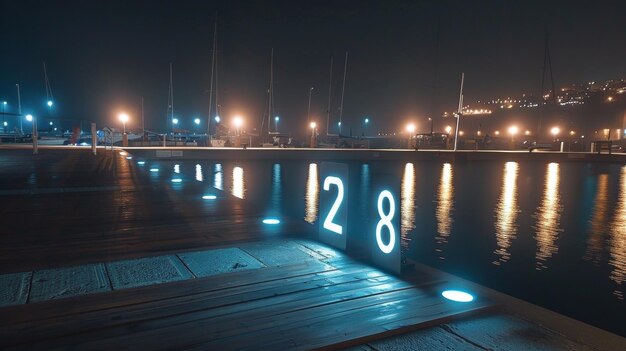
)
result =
(94, 138)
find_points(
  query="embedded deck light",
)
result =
(129, 157)
(271, 221)
(154, 169)
(458, 296)
(176, 180)
(141, 163)
(209, 197)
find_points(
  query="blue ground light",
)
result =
(129, 157)
(176, 180)
(141, 163)
(271, 221)
(458, 296)
(154, 169)
(209, 197)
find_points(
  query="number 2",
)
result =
(385, 221)
(328, 223)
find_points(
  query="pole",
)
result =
(94, 138)
(143, 123)
(269, 104)
(308, 114)
(330, 87)
(459, 112)
(19, 107)
(35, 141)
(343, 90)
(208, 125)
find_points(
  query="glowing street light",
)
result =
(555, 131)
(197, 121)
(448, 129)
(410, 128)
(217, 119)
(50, 103)
(313, 125)
(29, 118)
(175, 121)
(513, 130)
(276, 119)
(367, 120)
(123, 118)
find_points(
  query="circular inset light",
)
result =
(458, 296)
(154, 169)
(209, 197)
(176, 180)
(141, 163)
(271, 221)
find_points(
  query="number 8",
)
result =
(385, 220)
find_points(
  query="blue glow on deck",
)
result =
(154, 169)
(271, 221)
(209, 197)
(176, 180)
(458, 296)
(141, 163)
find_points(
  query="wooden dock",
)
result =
(329, 303)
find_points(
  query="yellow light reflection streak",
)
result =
(312, 193)
(407, 204)
(238, 187)
(599, 221)
(445, 205)
(506, 212)
(548, 216)
(618, 239)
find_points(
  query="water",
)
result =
(549, 233)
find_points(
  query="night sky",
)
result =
(405, 57)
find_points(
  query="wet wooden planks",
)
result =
(302, 306)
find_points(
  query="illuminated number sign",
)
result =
(382, 225)
(385, 227)
(333, 218)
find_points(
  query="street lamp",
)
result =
(123, 118)
(276, 119)
(431, 125)
(448, 129)
(217, 119)
(555, 131)
(313, 125)
(197, 121)
(50, 103)
(29, 118)
(410, 128)
(175, 121)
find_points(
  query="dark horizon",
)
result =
(405, 59)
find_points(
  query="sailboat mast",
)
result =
(343, 90)
(170, 101)
(330, 87)
(459, 112)
(269, 105)
(208, 125)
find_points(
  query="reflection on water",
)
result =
(445, 203)
(407, 205)
(218, 175)
(199, 176)
(506, 212)
(238, 188)
(276, 187)
(176, 168)
(365, 189)
(548, 216)
(599, 221)
(618, 239)
(312, 193)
